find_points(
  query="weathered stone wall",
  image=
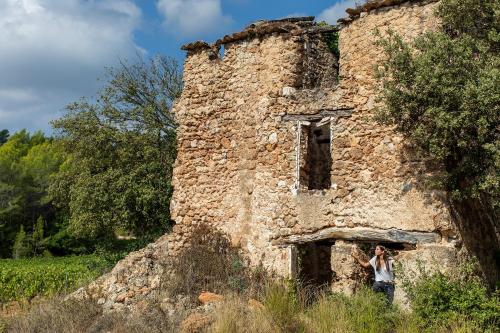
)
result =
(237, 164)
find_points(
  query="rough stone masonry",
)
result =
(277, 148)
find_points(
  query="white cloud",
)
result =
(335, 12)
(193, 18)
(52, 51)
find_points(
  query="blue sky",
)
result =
(53, 51)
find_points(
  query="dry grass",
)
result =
(57, 316)
(236, 315)
(210, 263)
(291, 311)
(71, 316)
(284, 308)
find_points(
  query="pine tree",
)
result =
(37, 236)
(21, 248)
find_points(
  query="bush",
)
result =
(27, 278)
(57, 316)
(207, 263)
(442, 299)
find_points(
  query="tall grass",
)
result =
(363, 312)
(236, 315)
(283, 304)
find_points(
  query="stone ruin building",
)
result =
(277, 148)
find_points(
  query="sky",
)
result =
(52, 52)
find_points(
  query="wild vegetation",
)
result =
(27, 163)
(107, 173)
(442, 91)
(260, 303)
(73, 204)
(120, 153)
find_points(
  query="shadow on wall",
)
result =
(477, 224)
(479, 229)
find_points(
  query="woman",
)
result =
(384, 276)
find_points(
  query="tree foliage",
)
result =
(442, 91)
(331, 39)
(121, 149)
(4, 135)
(27, 165)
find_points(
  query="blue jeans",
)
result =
(386, 288)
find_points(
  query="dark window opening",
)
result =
(316, 164)
(314, 263)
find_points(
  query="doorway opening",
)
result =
(314, 263)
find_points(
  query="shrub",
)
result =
(440, 299)
(57, 316)
(207, 263)
(412, 323)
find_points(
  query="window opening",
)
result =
(315, 152)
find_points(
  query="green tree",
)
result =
(442, 91)
(21, 248)
(4, 135)
(37, 236)
(27, 164)
(121, 152)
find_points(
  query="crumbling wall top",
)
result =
(198, 45)
(355, 13)
(292, 25)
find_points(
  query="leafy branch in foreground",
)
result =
(442, 91)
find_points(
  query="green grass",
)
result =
(26, 278)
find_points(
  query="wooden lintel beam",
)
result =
(362, 234)
(335, 113)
